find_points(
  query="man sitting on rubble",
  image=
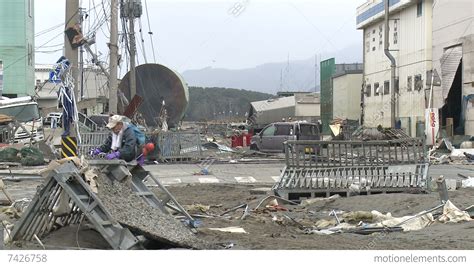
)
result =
(122, 143)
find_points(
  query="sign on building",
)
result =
(432, 125)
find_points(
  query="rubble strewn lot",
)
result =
(267, 229)
(281, 228)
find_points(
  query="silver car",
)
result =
(272, 137)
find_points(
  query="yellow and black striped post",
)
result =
(68, 146)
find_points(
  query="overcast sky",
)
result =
(197, 34)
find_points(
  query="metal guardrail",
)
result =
(302, 154)
(173, 146)
(90, 141)
(315, 168)
(87, 123)
(169, 146)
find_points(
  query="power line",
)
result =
(150, 33)
(142, 40)
(48, 30)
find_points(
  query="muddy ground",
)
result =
(270, 230)
(263, 233)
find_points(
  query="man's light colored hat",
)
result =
(113, 120)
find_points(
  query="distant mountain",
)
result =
(220, 103)
(298, 75)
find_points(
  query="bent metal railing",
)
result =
(322, 168)
(169, 146)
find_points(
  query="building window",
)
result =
(418, 83)
(367, 45)
(395, 37)
(419, 8)
(376, 89)
(373, 48)
(409, 83)
(380, 34)
(368, 90)
(386, 87)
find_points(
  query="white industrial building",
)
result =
(94, 94)
(346, 87)
(453, 60)
(411, 45)
(307, 106)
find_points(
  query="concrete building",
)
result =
(329, 69)
(347, 94)
(410, 40)
(453, 60)
(307, 106)
(17, 47)
(95, 93)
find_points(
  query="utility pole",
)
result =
(393, 66)
(113, 59)
(81, 55)
(72, 18)
(133, 81)
(132, 9)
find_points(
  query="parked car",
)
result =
(272, 137)
(53, 116)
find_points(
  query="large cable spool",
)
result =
(155, 84)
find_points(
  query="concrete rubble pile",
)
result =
(132, 211)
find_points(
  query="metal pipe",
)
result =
(393, 65)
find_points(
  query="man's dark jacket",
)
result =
(128, 149)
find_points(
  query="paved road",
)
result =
(218, 173)
(260, 173)
(451, 171)
(268, 173)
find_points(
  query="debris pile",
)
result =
(271, 222)
(107, 196)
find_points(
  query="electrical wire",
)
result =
(150, 33)
(48, 30)
(142, 40)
